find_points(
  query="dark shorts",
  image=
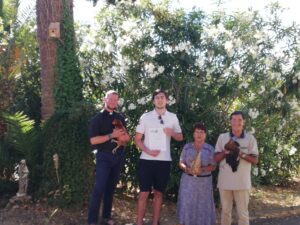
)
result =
(153, 173)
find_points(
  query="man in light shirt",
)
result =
(153, 137)
(236, 185)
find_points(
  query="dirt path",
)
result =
(268, 205)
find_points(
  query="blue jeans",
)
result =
(108, 169)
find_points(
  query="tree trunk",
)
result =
(47, 11)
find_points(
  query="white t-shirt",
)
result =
(241, 179)
(149, 122)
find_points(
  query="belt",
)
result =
(208, 175)
(107, 150)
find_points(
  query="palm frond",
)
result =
(21, 133)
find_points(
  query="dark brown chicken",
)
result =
(120, 141)
(233, 157)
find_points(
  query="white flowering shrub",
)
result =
(210, 65)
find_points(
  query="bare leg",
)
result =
(157, 202)
(141, 207)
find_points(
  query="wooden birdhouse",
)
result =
(54, 30)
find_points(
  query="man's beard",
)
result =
(110, 108)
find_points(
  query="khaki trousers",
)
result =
(241, 198)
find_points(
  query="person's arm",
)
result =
(139, 143)
(208, 168)
(220, 152)
(182, 166)
(252, 157)
(219, 156)
(173, 134)
(104, 138)
(249, 158)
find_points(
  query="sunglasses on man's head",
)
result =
(161, 120)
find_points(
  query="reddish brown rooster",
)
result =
(121, 141)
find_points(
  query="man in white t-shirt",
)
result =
(236, 185)
(153, 137)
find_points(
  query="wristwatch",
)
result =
(109, 136)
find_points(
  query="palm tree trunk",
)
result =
(47, 11)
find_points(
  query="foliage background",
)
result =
(210, 65)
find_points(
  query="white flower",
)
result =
(221, 28)
(252, 130)
(278, 149)
(292, 150)
(253, 51)
(262, 90)
(107, 80)
(128, 25)
(278, 104)
(253, 113)
(243, 85)
(183, 46)
(280, 94)
(255, 171)
(151, 52)
(109, 48)
(200, 62)
(275, 76)
(123, 41)
(252, 96)
(149, 67)
(269, 62)
(211, 31)
(238, 43)
(131, 106)
(172, 100)
(121, 101)
(161, 69)
(142, 101)
(228, 46)
(297, 75)
(263, 172)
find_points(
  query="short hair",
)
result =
(199, 126)
(110, 92)
(237, 113)
(158, 91)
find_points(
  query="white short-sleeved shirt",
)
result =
(241, 179)
(149, 121)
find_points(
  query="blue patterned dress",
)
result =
(195, 204)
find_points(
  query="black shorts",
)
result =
(153, 173)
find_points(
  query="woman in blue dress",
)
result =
(195, 204)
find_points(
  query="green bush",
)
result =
(65, 134)
(210, 65)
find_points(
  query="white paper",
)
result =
(157, 139)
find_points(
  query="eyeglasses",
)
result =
(161, 120)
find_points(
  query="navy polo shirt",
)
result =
(100, 125)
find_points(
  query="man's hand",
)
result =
(153, 153)
(226, 152)
(117, 133)
(168, 131)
